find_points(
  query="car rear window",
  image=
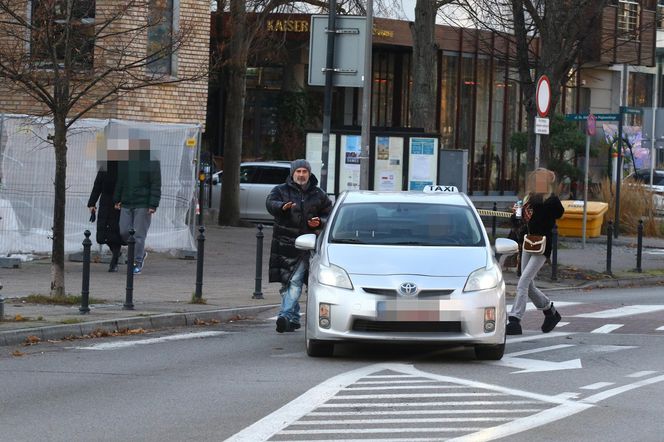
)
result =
(406, 224)
(272, 175)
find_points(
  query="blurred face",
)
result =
(301, 176)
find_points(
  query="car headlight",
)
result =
(334, 276)
(482, 279)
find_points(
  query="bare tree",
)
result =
(69, 57)
(425, 67)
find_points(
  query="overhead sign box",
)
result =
(349, 50)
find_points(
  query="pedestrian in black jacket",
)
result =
(298, 207)
(108, 217)
(540, 212)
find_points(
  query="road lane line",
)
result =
(381, 431)
(127, 344)
(401, 421)
(425, 404)
(562, 324)
(628, 310)
(511, 340)
(416, 395)
(597, 386)
(608, 328)
(660, 328)
(622, 389)
(538, 350)
(403, 387)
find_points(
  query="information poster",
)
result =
(314, 153)
(351, 148)
(422, 162)
(388, 164)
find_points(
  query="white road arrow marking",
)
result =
(628, 310)
(535, 365)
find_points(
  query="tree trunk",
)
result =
(424, 67)
(229, 213)
(59, 203)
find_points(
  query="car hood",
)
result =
(393, 260)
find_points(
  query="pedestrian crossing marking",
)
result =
(640, 374)
(660, 328)
(597, 386)
(608, 328)
(627, 310)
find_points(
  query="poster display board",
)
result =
(388, 163)
(422, 162)
(351, 148)
(313, 155)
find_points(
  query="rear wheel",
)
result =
(318, 349)
(490, 352)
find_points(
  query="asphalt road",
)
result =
(598, 377)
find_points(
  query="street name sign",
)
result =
(598, 117)
(630, 110)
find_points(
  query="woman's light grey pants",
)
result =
(530, 265)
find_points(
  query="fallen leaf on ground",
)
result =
(18, 353)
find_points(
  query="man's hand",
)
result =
(118, 206)
(152, 210)
(314, 222)
(287, 206)
(92, 209)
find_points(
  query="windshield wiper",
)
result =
(347, 241)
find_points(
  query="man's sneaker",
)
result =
(513, 326)
(551, 319)
(282, 324)
(292, 326)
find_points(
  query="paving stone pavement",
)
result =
(162, 293)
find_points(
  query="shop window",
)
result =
(265, 77)
(628, 18)
(160, 36)
(660, 14)
(382, 89)
(52, 21)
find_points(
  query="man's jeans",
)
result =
(139, 220)
(290, 294)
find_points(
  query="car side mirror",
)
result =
(306, 242)
(505, 246)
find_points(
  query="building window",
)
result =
(382, 89)
(660, 14)
(160, 37)
(52, 22)
(628, 18)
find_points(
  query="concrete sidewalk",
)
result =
(163, 292)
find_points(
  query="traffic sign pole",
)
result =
(542, 102)
(590, 131)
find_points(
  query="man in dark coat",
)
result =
(299, 206)
(108, 217)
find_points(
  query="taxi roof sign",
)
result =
(439, 188)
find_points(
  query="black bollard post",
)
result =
(200, 254)
(554, 253)
(2, 305)
(129, 297)
(85, 285)
(258, 294)
(609, 244)
(201, 192)
(493, 222)
(639, 246)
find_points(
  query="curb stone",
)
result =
(156, 322)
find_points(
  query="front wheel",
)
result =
(490, 352)
(318, 349)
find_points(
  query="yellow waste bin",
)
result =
(571, 223)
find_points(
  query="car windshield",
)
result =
(406, 224)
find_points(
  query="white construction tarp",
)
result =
(27, 171)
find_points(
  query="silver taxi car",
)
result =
(402, 267)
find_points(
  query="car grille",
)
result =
(422, 294)
(363, 325)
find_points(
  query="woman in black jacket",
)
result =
(108, 217)
(540, 212)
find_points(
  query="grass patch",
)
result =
(71, 321)
(195, 300)
(59, 300)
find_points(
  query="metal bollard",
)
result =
(609, 245)
(85, 284)
(639, 246)
(2, 305)
(201, 183)
(131, 244)
(554, 253)
(258, 294)
(200, 253)
(493, 222)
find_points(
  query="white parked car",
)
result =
(402, 267)
(257, 179)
